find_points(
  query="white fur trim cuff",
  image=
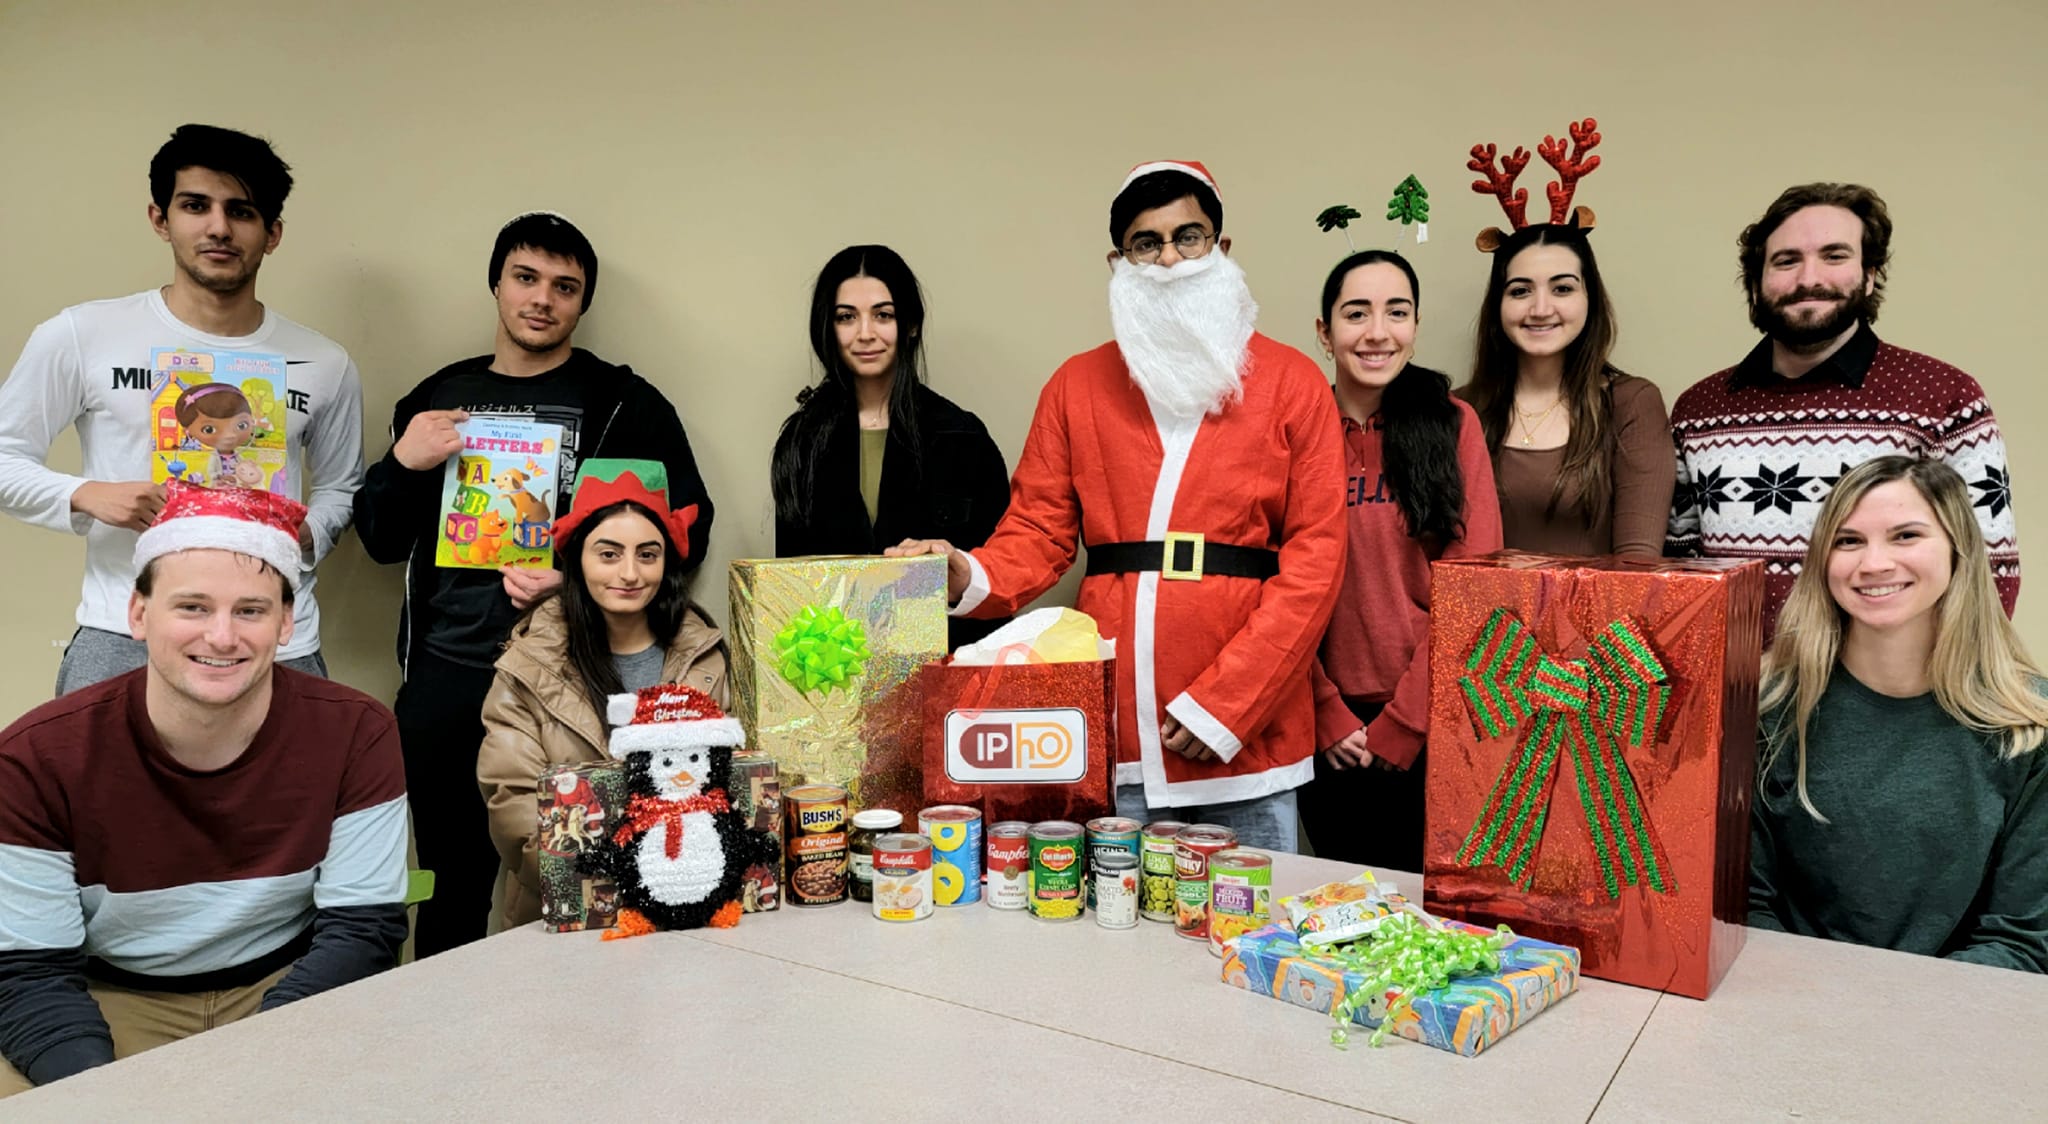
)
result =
(221, 532)
(676, 735)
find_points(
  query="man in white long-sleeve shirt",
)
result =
(216, 196)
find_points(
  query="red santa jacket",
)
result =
(1226, 656)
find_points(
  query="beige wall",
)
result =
(716, 153)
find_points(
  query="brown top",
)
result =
(1642, 469)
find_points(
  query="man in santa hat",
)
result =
(205, 837)
(1202, 466)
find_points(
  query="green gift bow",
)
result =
(821, 648)
(1594, 709)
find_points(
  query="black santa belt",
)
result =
(1182, 556)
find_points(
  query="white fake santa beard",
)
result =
(1183, 331)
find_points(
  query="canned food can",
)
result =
(1191, 851)
(1009, 865)
(1240, 895)
(903, 877)
(1114, 882)
(868, 823)
(1155, 883)
(1056, 864)
(955, 832)
(817, 844)
(1107, 834)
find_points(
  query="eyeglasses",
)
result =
(1145, 248)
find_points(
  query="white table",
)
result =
(981, 1015)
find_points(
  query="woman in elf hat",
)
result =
(1902, 795)
(1581, 450)
(872, 456)
(1419, 488)
(622, 621)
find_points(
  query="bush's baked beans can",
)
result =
(1107, 834)
(1155, 882)
(1009, 865)
(1113, 880)
(1057, 865)
(1240, 895)
(817, 844)
(1191, 851)
(903, 877)
(955, 832)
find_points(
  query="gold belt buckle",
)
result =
(1170, 572)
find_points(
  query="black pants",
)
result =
(441, 727)
(1371, 816)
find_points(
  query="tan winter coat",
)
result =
(537, 715)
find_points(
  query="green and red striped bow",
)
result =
(1593, 709)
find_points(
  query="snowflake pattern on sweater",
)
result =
(1758, 455)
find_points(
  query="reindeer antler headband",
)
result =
(1515, 200)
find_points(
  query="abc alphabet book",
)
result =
(217, 419)
(499, 494)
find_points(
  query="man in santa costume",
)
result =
(1202, 465)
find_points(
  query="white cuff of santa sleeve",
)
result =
(977, 588)
(1203, 725)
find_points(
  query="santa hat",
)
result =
(604, 481)
(260, 524)
(1184, 167)
(669, 716)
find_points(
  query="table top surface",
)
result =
(872, 1020)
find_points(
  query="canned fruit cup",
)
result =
(1057, 863)
(955, 832)
(1240, 895)
(1155, 884)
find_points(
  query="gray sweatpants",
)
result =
(95, 656)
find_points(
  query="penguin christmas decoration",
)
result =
(680, 854)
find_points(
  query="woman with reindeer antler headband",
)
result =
(1581, 450)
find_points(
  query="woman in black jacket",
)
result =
(872, 456)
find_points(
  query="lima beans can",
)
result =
(1240, 895)
(1057, 864)
(903, 877)
(1109, 834)
(1155, 884)
(1113, 880)
(1009, 865)
(1191, 851)
(955, 832)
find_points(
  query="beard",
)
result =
(1183, 331)
(1771, 319)
(233, 279)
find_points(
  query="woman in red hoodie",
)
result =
(1420, 487)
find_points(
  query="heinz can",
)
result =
(1113, 882)
(955, 832)
(1108, 834)
(817, 844)
(1057, 862)
(903, 877)
(1009, 865)
(1240, 895)
(1191, 851)
(1155, 882)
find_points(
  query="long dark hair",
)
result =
(1418, 425)
(793, 472)
(589, 647)
(1587, 387)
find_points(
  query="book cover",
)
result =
(499, 494)
(217, 419)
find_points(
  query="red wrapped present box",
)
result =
(1592, 750)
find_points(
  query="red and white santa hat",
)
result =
(1184, 167)
(260, 524)
(668, 716)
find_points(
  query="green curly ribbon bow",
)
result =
(821, 648)
(1594, 709)
(1411, 957)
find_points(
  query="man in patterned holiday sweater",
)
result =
(1761, 443)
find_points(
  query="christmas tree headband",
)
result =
(1408, 206)
(1500, 183)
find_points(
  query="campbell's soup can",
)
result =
(1191, 851)
(955, 832)
(817, 844)
(1057, 866)
(903, 877)
(1107, 834)
(1009, 865)
(1240, 895)
(1155, 878)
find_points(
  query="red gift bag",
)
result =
(1022, 740)
(1592, 747)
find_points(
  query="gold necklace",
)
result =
(1529, 431)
